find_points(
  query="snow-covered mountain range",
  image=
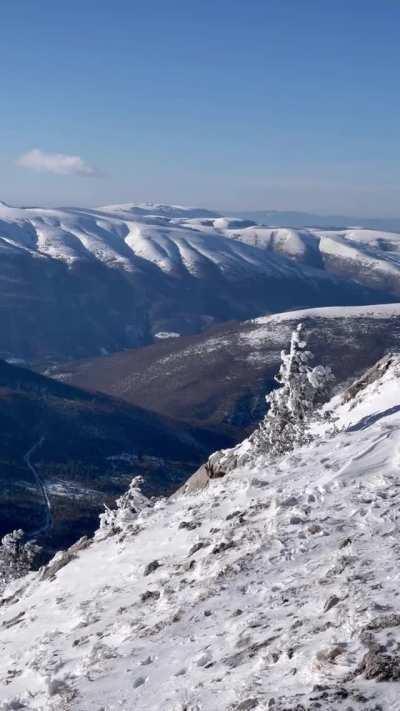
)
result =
(370, 257)
(77, 282)
(275, 587)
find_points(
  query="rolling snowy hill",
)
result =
(76, 282)
(366, 256)
(276, 587)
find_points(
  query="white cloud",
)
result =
(56, 163)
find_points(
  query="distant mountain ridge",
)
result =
(76, 282)
(293, 218)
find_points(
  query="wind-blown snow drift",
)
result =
(278, 582)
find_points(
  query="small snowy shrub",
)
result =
(128, 506)
(16, 556)
(303, 389)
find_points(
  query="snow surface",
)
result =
(376, 311)
(269, 582)
(179, 240)
(364, 249)
(167, 334)
(280, 322)
(122, 236)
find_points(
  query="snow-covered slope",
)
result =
(117, 236)
(274, 588)
(370, 257)
(374, 311)
(77, 282)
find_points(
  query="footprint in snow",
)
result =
(140, 681)
(181, 672)
(147, 661)
(204, 659)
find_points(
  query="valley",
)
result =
(64, 452)
(150, 338)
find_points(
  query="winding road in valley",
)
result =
(48, 522)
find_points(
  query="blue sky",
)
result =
(234, 104)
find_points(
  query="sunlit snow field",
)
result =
(267, 583)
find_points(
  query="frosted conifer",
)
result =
(302, 389)
(128, 506)
(16, 556)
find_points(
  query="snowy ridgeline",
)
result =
(122, 261)
(176, 239)
(275, 587)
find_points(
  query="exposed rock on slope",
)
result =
(276, 587)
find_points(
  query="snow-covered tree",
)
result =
(16, 556)
(128, 506)
(302, 390)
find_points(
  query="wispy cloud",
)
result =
(56, 163)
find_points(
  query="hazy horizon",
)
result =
(217, 208)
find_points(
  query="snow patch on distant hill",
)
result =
(161, 210)
(166, 334)
(374, 311)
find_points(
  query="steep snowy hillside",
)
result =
(219, 378)
(369, 257)
(76, 282)
(274, 588)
